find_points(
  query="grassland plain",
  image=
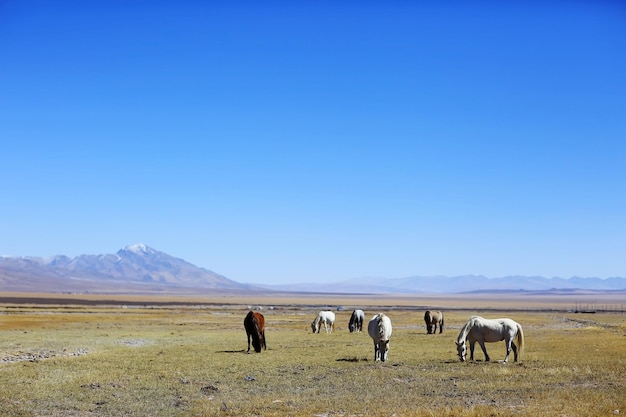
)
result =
(189, 360)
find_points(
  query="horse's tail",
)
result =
(520, 340)
(441, 324)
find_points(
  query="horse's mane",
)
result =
(466, 328)
(381, 327)
(354, 317)
(257, 335)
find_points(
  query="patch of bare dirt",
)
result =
(36, 356)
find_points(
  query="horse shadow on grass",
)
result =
(352, 359)
(238, 351)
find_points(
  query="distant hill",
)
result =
(135, 268)
(458, 284)
(142, 269)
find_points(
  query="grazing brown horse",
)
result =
(432, 319)
(255, 328)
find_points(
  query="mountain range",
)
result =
(461, 284)
(135, 268)
(141, 269)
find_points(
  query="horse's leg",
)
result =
(440, 327)
(472, 350)
(482, 346)
(248, 343)
(509, 345)
(386, 350)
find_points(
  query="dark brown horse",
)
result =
(432, 319)
(255, 328)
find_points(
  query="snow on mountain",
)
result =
(139, 248)
(134, 264)
(140, 266)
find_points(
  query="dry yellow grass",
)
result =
(181, 361)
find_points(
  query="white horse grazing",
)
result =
(326, 317)
(379, 329)
(478, 329)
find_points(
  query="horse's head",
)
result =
(461, 350)
(352, 326)
(314, 327)
(384, 349)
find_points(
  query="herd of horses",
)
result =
(476, 329)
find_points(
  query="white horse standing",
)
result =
(326, 317)
(478, 329)
(379, 329)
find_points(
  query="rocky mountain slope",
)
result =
(135, 268)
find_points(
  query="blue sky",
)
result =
(318, 141)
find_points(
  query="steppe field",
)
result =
(186, 356)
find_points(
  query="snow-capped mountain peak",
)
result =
(139, 248)
(136, 264)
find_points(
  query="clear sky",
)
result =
(313, 141)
